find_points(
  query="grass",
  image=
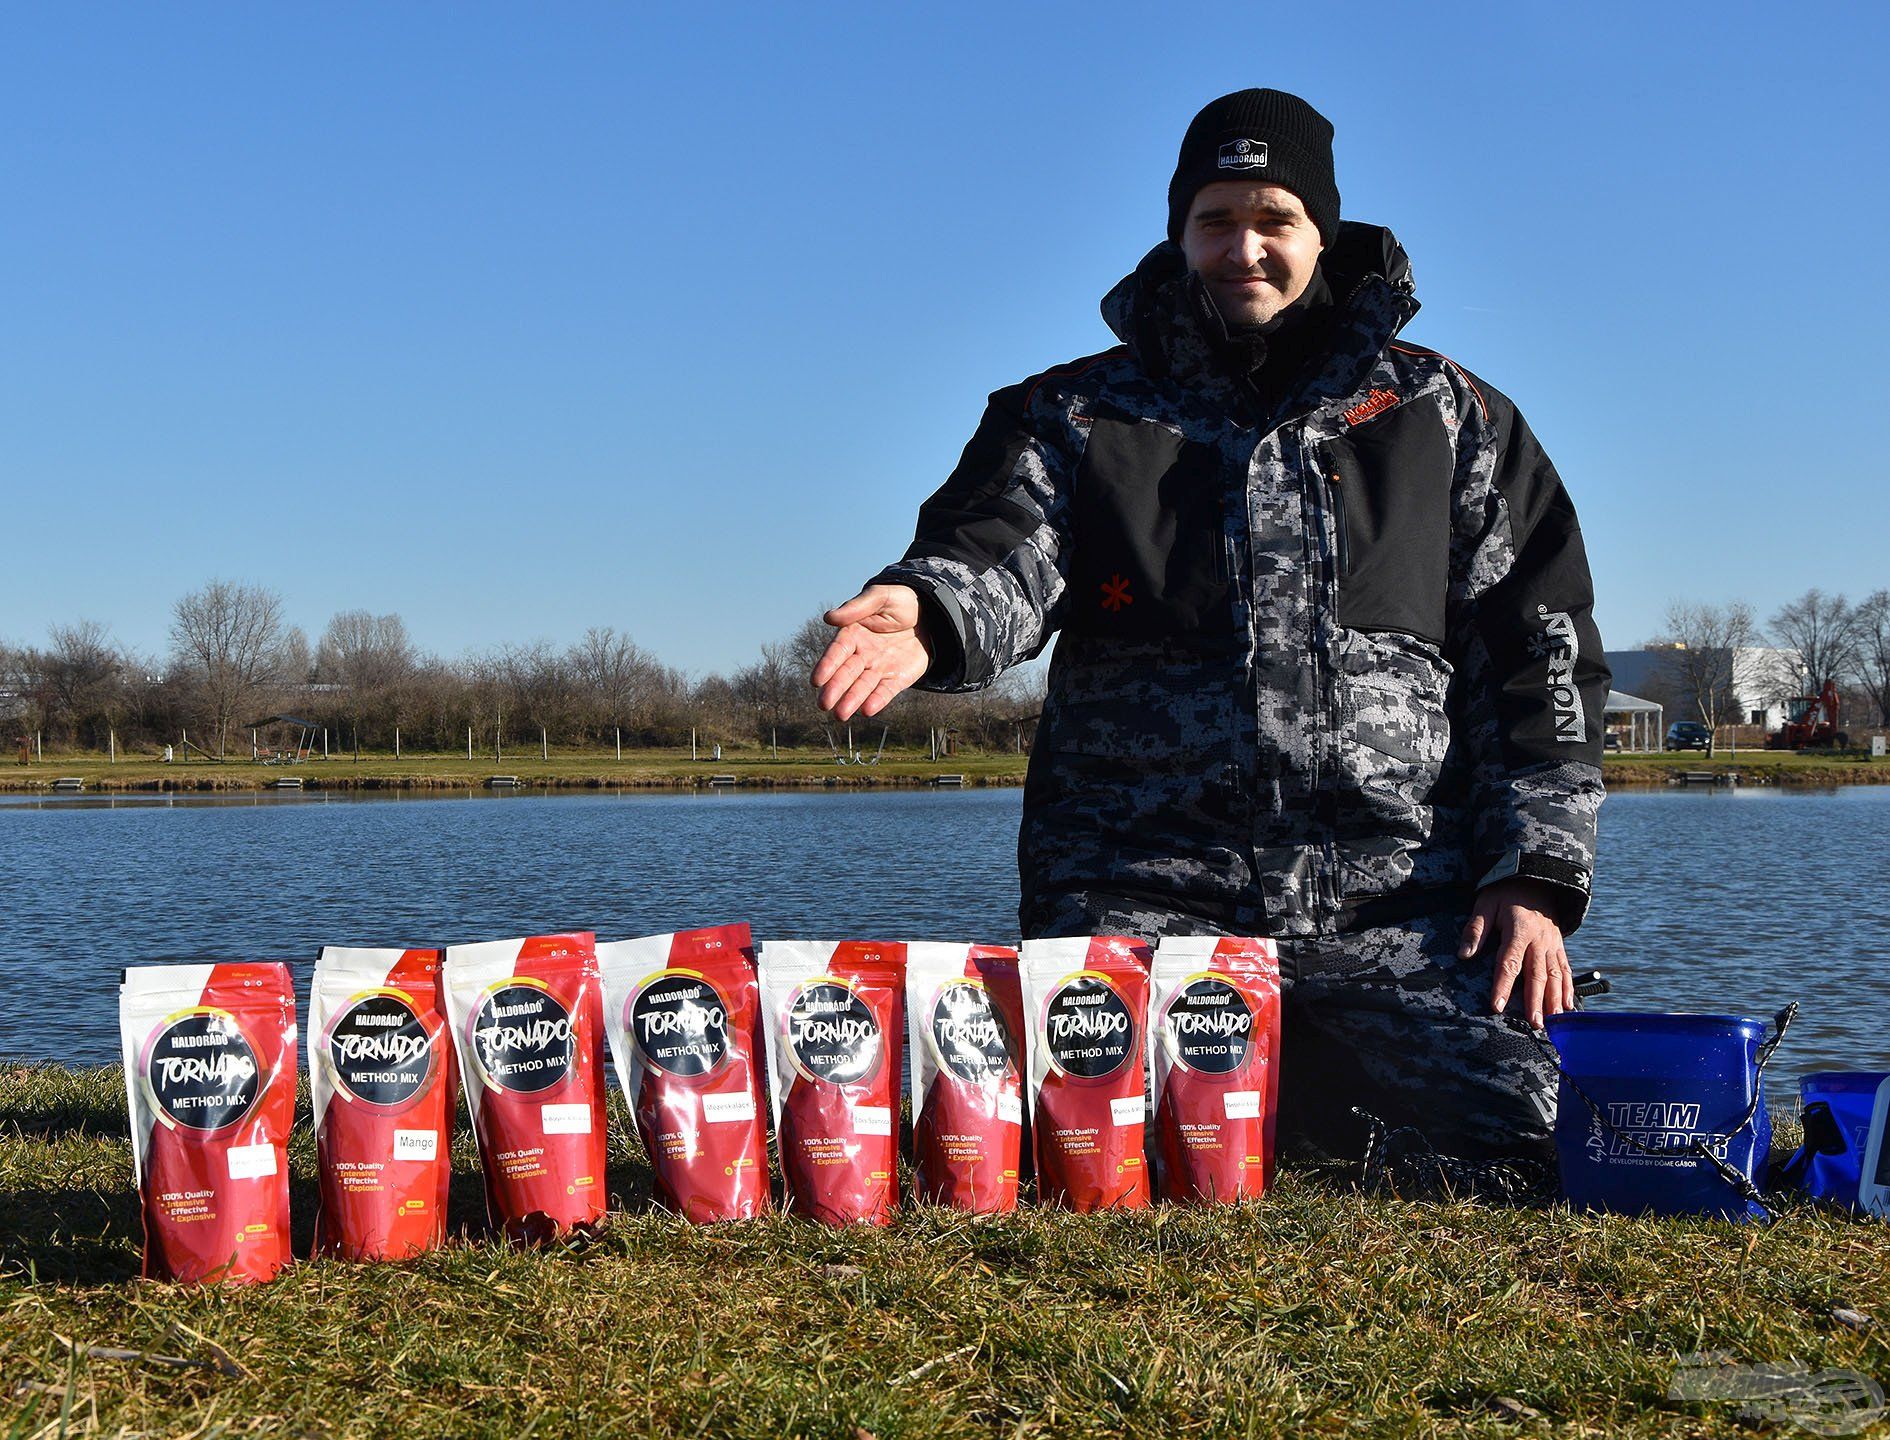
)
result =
(1754, 767)
(600, 769)
(1315, 1311)
(576, 769)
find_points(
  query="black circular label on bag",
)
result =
(832, 1035)
(522, 1039)
(1087, 1028)
(201, 1071)
(679, 1023)
(968, 1034)
(380, 1051)
(1208, 1026)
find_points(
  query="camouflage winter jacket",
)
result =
(1319, 669)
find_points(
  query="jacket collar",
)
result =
(1164, 315)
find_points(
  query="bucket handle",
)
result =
(1741, 1183)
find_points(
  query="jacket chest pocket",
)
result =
(1388, 485)
(1147, 517)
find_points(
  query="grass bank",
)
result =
(666, 769)
(1316, 1311)
(563, 769)
(1753, 767)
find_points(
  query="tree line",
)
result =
(1816, 639)
(234, 658)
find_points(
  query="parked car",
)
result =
(1689, 735)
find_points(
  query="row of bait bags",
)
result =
(1073, 1042)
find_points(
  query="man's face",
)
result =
(1253, 245)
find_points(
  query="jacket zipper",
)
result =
(1341, 532)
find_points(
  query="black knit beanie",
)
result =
(1266, 136)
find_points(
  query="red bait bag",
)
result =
(528, 1025)
(1213, 1064)
(831, 1012)
(680, 1010)
(1085, 1006)
(965, 1015)
(210, 1075)
(380, 1072)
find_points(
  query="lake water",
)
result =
(1705, 900)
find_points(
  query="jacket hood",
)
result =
(1163, 313)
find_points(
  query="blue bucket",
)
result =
(1663, 1114)
(1836, 1106)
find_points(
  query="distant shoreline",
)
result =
(804, 771)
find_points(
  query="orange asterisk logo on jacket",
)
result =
(1116, 593)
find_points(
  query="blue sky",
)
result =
(516, 320)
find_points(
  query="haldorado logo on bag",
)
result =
(380, 1052)
(1208, 1027)
(201, 1072)
(680, 1025)
(522, 1039)
(969, 1035)
(831, 1033)
(1088, 1030)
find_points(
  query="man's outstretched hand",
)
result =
(1512, 918)
(880, 650)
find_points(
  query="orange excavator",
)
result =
(1811, 723)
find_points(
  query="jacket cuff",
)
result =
(1570, 881)
(942, 623)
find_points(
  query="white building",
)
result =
(1758, 674)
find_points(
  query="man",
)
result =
(1327, 670)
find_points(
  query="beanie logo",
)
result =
(1244, 155)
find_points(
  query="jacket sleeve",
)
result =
(991, 556)
(1534, 681)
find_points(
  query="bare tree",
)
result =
(1704, 643)
(1873, 650)
(83, 676)
(228, 637)
(530, 687)
(618, 677)
(365, 653)
(772, 688)
(1819, 634)
(370, 658)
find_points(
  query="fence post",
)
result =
(774, 742)
(692, 742)
(324, 742)
(396, 742)
(469, 742)
(618, 731)
(544, 744)
(112, 739)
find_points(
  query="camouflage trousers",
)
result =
(1386, 1019)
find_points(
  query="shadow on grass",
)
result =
(51, 1103)
(72, 1237)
